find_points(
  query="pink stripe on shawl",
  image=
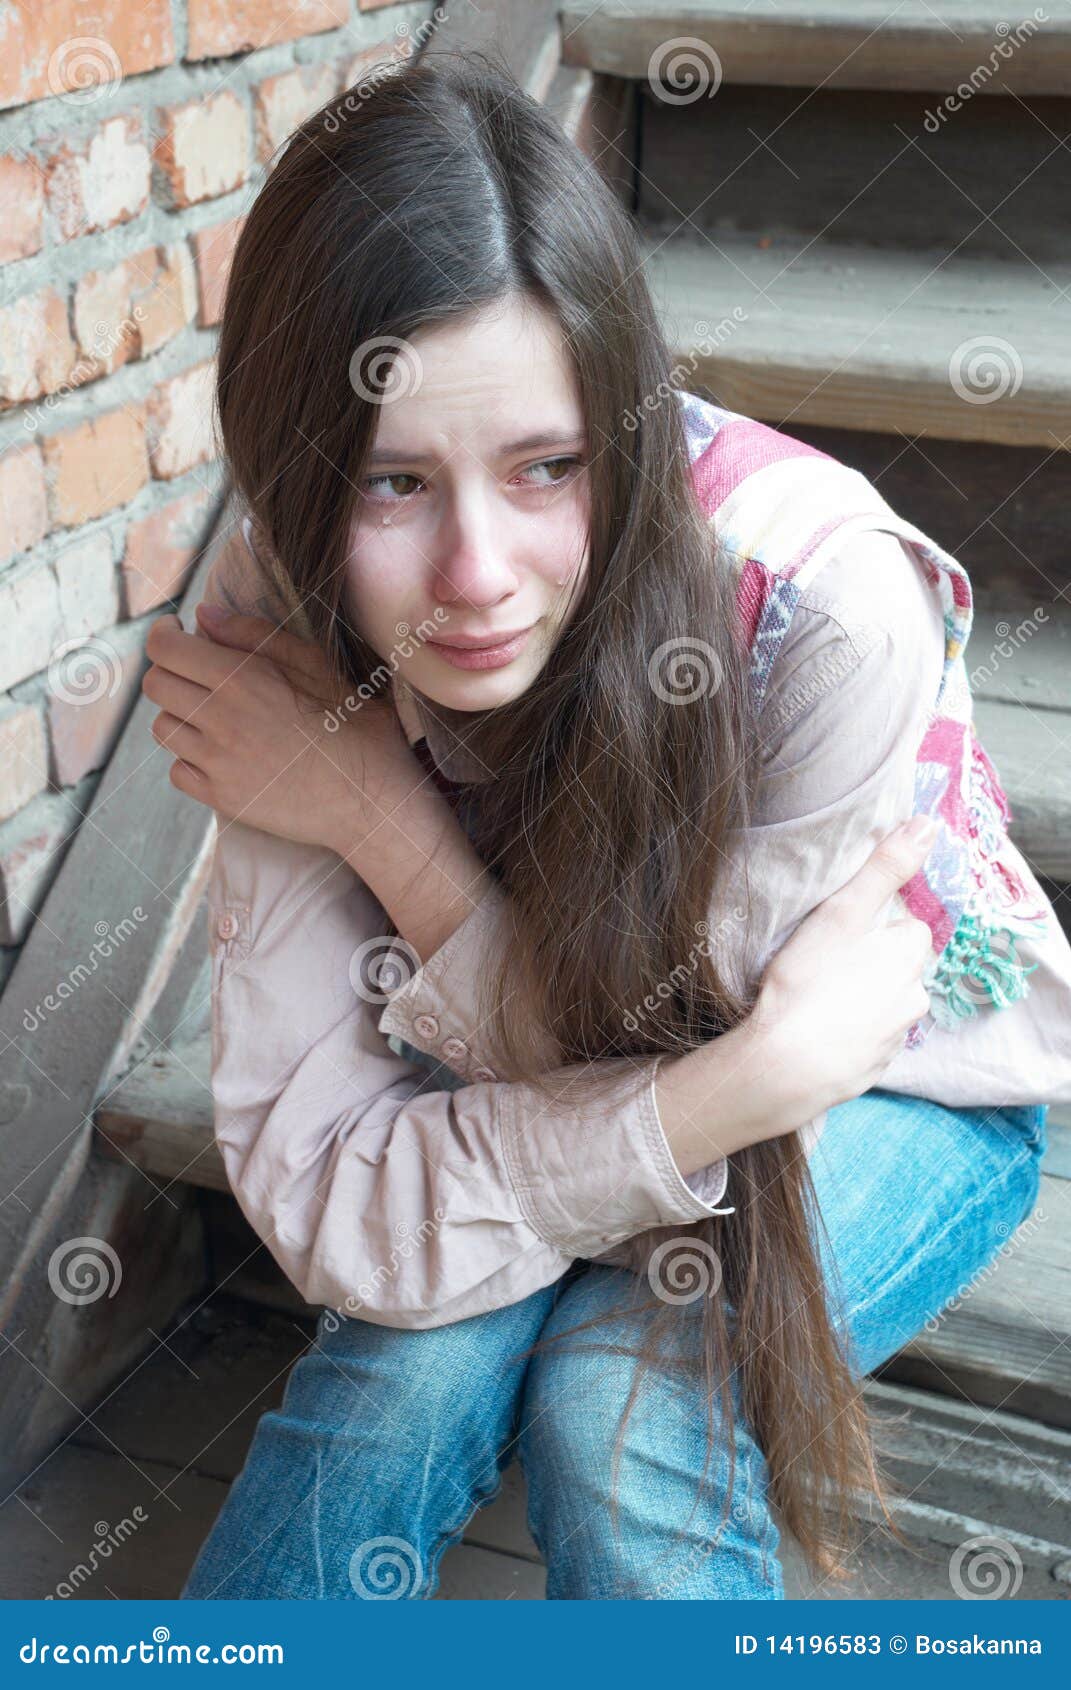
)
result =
(739, 449)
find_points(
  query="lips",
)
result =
(482, 656)
(479, 643)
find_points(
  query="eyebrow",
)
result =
(528, 443)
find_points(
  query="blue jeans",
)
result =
(388, 1440)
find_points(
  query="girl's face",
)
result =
(472, 520)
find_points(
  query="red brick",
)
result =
(37, 354)
(102, 181)
(42, 54)
(22, 202)
(23, 505)
(23, 756)
(203, 149)
(135, 307)
(218, 28)
(95, 467)
(280, 103)
(178, 422)
(213, 249)
(160, 549)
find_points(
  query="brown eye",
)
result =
(562, 465)
(402, 493)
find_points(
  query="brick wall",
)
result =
(133, 138)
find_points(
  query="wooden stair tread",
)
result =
(855, 336)
(925, 44)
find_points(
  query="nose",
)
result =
(472, 564)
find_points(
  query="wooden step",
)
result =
(1019, 663)
(934, 44)
(816, 331)
(865, 168)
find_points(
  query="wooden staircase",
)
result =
(826, 262)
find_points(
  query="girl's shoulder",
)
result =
(810, 540)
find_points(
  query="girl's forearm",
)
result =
(735, 1091)
(416, 858)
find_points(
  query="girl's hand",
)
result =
(261, 733)
(838, 998)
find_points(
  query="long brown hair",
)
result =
(618, 781)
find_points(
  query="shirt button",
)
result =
(485, 1074)
(426, 1025)
(454, 1047)
(227, 926)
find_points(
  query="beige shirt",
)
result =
(384, 1195)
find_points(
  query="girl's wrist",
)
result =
(418, 862)
(738, 1090)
